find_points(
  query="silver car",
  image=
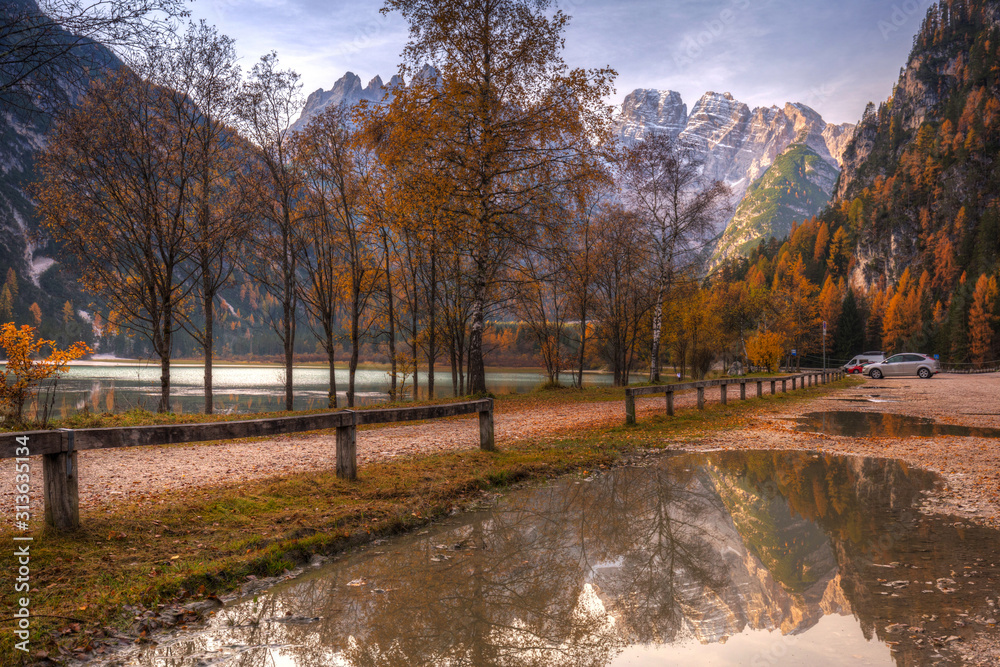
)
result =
(904, 364)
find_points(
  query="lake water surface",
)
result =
(723, 559)
(117, 387)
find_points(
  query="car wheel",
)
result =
(924, 374)
(876, 374)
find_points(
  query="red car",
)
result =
(855, 370)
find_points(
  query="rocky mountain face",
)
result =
(921, 170)
(349, 92)
(26, 114)
(645, 111)
(346, 91)
(739, 144)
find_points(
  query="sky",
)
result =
(833, 55)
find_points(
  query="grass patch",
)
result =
(207, 541)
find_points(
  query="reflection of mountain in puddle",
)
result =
(730, 553)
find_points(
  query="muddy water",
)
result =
(885, 425)
(729, 558)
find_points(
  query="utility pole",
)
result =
(824, 346)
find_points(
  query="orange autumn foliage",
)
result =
(982, 320)
(23, 373)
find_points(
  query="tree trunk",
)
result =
(454, 365)
(289, 353)
(654, 354)
(355, 340)
(432, 331)
(330, 349)
(477, 370)
(415, 347)
(392, 317)
(583, 345)
(461, 362)
(208, 343)
(165, 349)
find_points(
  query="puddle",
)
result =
(722, 558)
(884, 425)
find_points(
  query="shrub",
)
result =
(23, 374)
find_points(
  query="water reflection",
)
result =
(885, 425)
(243, 388)
(757, 558)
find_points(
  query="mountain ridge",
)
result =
(738, 146)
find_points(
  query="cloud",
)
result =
(834, 56)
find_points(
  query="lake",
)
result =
(117, 387)
(761, 558)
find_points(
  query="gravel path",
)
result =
(971, 465)
(143, 472)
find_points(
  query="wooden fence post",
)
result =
(701, 398)
(629, 408)
(773, 385)
(784, 386)
(760, 389)
(723, 392)
(670, 403)
(61, 485)
(743, 390)
(347, 448)
(487, 442)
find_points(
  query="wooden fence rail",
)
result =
(802, 379)
(59, 448)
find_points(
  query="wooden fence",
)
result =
(59, 448)
(801, 380)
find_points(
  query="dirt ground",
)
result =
(971, 465)
(141, 473)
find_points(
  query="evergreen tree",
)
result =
(850, 329)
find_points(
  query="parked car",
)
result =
(906, 363)
(857, 364)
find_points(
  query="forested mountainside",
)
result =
(738, 145)
(796, 187)
(31, 273)
(911, 240)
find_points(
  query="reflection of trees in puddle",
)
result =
(885, 425)
(569, 574)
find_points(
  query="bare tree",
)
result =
(53, 41)
(341, 257)
(621, 287)
(202, 67)
(117, 181)
(542, 302)
(662, 182)
(578, 263)
(269, 102)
